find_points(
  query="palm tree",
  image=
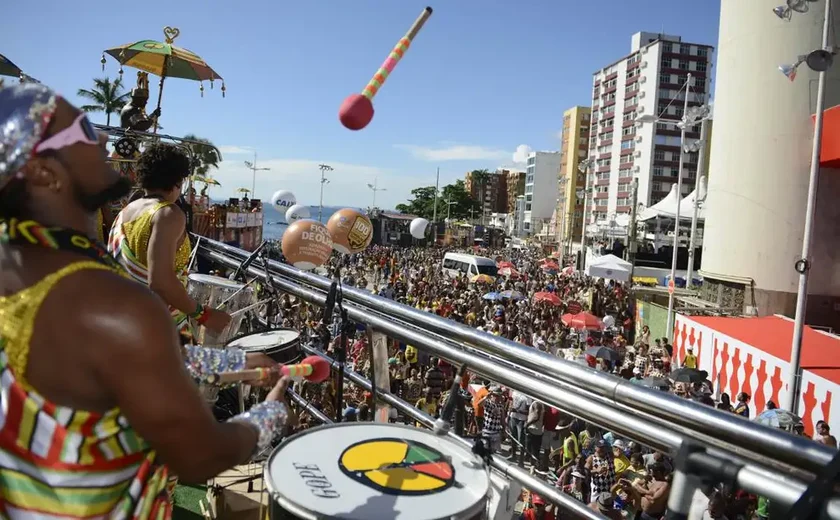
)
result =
(107, 96)
(204, 154)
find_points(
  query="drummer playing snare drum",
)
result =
(149, 237)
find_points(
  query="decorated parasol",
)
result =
(7, 68)
(165, 60)
(246, 191)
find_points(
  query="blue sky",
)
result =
(482, 78)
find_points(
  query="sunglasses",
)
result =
(80, 131)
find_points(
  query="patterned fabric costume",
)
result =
(129, 243)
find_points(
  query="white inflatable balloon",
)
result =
(417, 228)
(282, 200)
(297, 212)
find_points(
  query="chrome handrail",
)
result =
(382, 315)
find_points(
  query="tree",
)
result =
(106, 96)
(204, 154)
(423, 202)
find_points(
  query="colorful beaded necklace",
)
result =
(30, 233)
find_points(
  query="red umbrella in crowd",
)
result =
(509, 272)
(505, 265)
(583, 320)
(550, 266)
(548, 297)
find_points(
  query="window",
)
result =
(702, 51)
(665, 78)
(658, 171)
(659, 155)
(627, 144)
(608, 122)
(583, 140)
(683, 65)
(628, 130)
(491, 270)
(685, 49)
(626, 158)
(633, 73)
(604, 149)
(675, 48)
(701, 66)
(629, 116)
(657, 186)
(603, 163)
(630, 87)
(527, 208)
(606, 136)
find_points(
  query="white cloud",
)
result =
(347, 186)
(235, 150)
(453, 152)
(520, 156)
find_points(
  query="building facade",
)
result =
(651, 80)
(515, 189)
(574, 148)
(540, 190)
(489, 188)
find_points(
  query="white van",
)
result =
(469, 265)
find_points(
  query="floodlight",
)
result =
(783, 12)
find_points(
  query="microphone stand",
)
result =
(245, 264)
(271, 308)
(341, 358)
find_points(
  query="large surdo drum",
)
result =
(212, 291)
(368, 471)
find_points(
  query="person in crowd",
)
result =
(690, 360)
(654, 493)
(537, 511)
(517, 416)
(743, 406)
(824, 436)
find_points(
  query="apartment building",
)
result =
(649, 80)
(540, 190)
(515, 189)
(574, 148)
(489, 188)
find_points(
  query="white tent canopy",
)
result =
(610, 267)
(667, 207)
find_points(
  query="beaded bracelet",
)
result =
(268, 418)
(202, 362)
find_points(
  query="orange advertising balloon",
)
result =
(307, 244)
(351, 231)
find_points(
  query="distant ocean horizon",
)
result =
(274, 222)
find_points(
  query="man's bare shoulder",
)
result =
(103, 304)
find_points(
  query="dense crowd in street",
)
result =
(532, 302)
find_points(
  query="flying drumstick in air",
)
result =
(357, 109)
(314, 369)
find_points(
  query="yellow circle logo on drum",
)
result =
(398, 467)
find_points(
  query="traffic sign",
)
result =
(671, 286)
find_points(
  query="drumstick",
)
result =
(248, 308)
(313, 368)
(229, 298)
(194, 254)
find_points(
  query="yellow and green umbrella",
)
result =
(165, 60)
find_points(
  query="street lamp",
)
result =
(324, 169)
(689, 119)
(374, 187)
(819, 60)
(584, 167)
(253, 167)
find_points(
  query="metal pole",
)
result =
(803, 266)
(701, 172)
(670, 326)
(375, 184)
(254, 176)
(583, 217)
(631, 235)
(324, 169)
(434, 210)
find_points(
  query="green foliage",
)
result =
(204, 154)
(105, 96)
(422, 203)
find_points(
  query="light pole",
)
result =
(685, 124)
(253, 167)
(324, 169)
(584, 167)
(375, 187)
(819, 60)
(449, 204)
(699, 190)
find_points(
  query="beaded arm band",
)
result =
(268, 418)
(201, 362)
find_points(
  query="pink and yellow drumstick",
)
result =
(313, 368)
(357, 110)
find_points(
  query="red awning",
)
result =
(830, 151)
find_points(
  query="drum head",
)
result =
(365, 471)
(265, 340)
(215, 280)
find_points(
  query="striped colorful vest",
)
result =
(57, 462)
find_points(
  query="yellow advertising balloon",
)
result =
(351, 231)
(307, 244)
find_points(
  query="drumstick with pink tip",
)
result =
(357, 109)
(314, 369)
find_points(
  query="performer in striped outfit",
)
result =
(94, 396)
(149, 237)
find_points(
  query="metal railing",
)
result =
(758, 459)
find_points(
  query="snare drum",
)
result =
(212, 291)
(369, 471)
(281, 345)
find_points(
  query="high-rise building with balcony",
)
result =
(515, 188)
(488, 188)
(651, 80)
(540, 191)
(574, 148)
